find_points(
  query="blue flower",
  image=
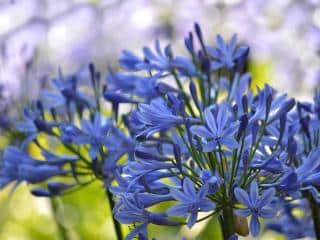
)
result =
(141, 86)
(69, 132)
(94, 133)
(115, 99)
(302, 178)
(156, 116)
(190, 202)
(160, 60)
(256, 207)
(217, 131)
(271, 163)
(59, 160)
(118, 145)
(184, 66)
(291, 225)
(33, 124)
(213, 181)
(129, 61)
(141, 170)
(19, 166)
(67, 94)
(132, 182)
(239, 86)
(129, 210)
(226, 54)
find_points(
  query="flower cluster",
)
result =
(190, 131)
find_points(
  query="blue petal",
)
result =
(178, 210)
(201, 131)
(142, 229)
(266, 213)
(254, 226)
(128, 217)
(27, 126)
(210, 121)
(178, 195)
(188, 188)
(209, 146)
(266, 197)
(192, 219)
(254, 193)
(243, 212)
(242, 197)
(206, 205)
(231, 143)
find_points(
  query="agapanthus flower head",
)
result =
(194, 137)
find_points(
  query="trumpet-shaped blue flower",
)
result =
(156, 116)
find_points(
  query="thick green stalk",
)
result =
(315, 215)
(116, 224)
(227, 222)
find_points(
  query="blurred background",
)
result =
(37, 37)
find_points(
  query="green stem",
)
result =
(116, 224)
(315, 215)
(178, 82)
(62, 230)
(227, 222)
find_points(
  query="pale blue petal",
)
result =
(266, 197)
(178, 210)
(243, 212)
(192, 219)
(242, 197)
(254, 226)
